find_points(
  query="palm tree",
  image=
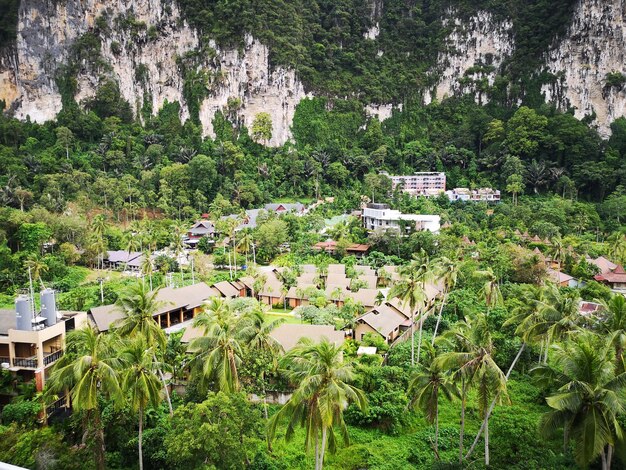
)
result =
(472, 364)
(589, 397)
(262, 343)
(88, 374)
(178, 231)
(617, 246)
(557, 250)
(219, 351)
(410, 291)
(490, 289)
(448, 274)
(138, 305)
(424, 391)
(558, 314)
(245, 243)
(322, 394)
(141, 382)
(147, 266)
(613, 325)
(37, 267)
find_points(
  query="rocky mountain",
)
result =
(150, 49)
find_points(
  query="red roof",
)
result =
(617, 275)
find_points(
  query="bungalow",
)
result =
(202, 228)
(383, 320)
(615, 278)
(175, 306)
(337, 280)
(561, 279)
(603, 264)
(337, 269)
(297, 296)
(226, 289)
(364, 270)
(289, 334)
(283, 208)
(371, 281)
(120, 258)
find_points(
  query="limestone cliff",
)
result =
(474, 51)
(146, 36)
(595, 46)
(145, 39)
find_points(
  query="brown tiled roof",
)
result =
(227, 289)
(383, 319)
(617, 275)
(288, 334)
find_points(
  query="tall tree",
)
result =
(472, 364)
(91, 372)
(410, 290)
(323, 392)
(425, 388)
(138, 306)
(447, 274)
(589, 397)
(140, 382)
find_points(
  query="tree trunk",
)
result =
(317, 453)
(443, 302)
(323, 448)
(99, 441)
(462, 430)
(419, 340)
(609, 457)
(487, 443)
(483, 427)
(140, 438)
(437, 430)
(604, 464)
(412, 338)
(167, 392)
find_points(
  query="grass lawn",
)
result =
(275, 314)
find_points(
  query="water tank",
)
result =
(23, 313)
(48, 306)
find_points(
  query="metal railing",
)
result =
(56, 406)
(50, 358)
(30, 362)
(5, 359)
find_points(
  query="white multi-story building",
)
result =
(465, 194)
(420, 184)
(382, 217)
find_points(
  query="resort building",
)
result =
(420, 184)
(473, 195)
(382, 217)
(30, 341)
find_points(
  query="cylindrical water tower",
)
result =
(48, 306)
(23, 313)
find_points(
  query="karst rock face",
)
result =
(243, 83)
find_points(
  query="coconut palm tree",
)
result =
(472, 364)
(86, 375)
(178, 231)
(448, 274)
(219, 351)
(323, 392)
(613, 324)
(424, 391)
(147, 266)
(410, 291)
(37, 267)
(245, 243)
(490, 289)
(557, 250)
(262, 343)
(559, 313)
(138, 306)
(589, 397)
(140, 382)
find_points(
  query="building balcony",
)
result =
(25, 362)
(52, 357)
(5, 360)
